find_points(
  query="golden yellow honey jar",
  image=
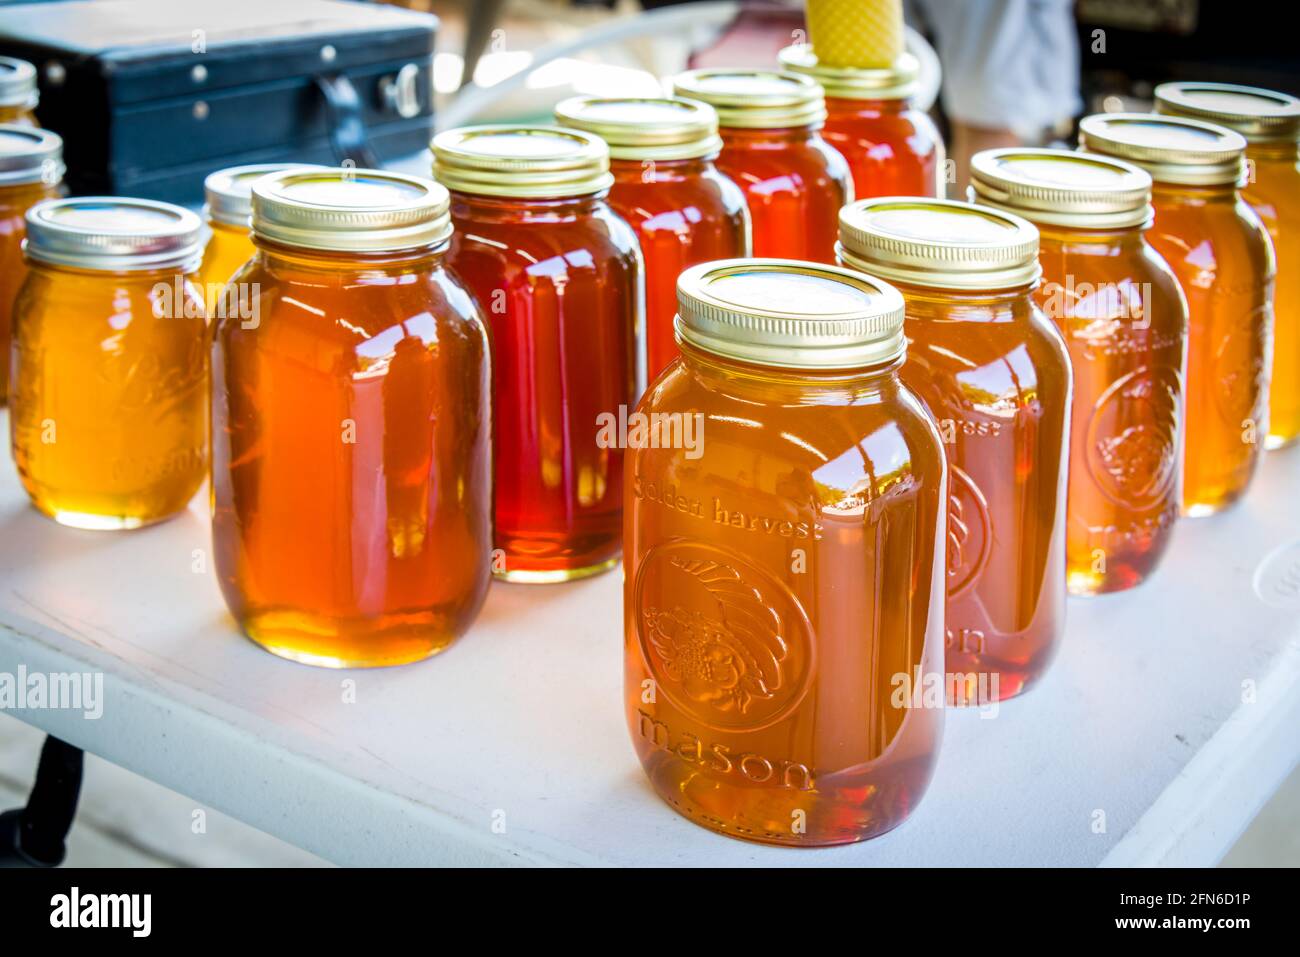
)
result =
(108, 417)
(18, 92)
(228, 205)
(1270, 122)
(31, 169)
(1219, 250)
(1124, 319)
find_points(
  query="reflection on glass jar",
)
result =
(558, 274)
(351, 458)
(794, 181)
(784, 586)
(1124, 319)
(995, 374)
(108, 398)
(1224, 261)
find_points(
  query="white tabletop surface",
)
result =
(1171, 715)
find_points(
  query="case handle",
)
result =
(347, 130)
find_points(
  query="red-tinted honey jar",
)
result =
(668, 187)
(558, 275)
(795, 182)
(893, 148)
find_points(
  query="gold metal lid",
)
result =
(895, 82)
(645, 128)
(1173, 149)
(18, 83)
(113, 234)
(755, 99)
(941, 243)
(525, 161)
(1061, 188)
(350, 210)
(29, 155)
(1262, 116)
(782, 312)
(229, 192)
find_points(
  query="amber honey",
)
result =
(794, 181)
(995, 374)
(229, 204)
(1224, 261)
(31, 169)
(558, 274)
(19, 94)
(784, 586)
(108, 395)
(1124, 319)
(351, 457)
(668, 188)
(1270, 122)
(893, 148)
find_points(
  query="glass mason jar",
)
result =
(1124, 319)
(995, 374)
(351, 449)
(794, 181)
(1223, 258)
(108, 396)
(784, 588)
(19, 94)
(31, 170)
(892, 148)
(229, 204)
(1270, 122)
(668, 188)
(558, 274)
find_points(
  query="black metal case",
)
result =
(152, 95)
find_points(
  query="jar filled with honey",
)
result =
(229, 204)
(1224, 260)
(892, 148)
(558, 274)
(794, 181)
(351, 427)
(995, 374)
(19, 94)
(783, 602)
(668, 188)
(108, 396)
(1270, 122)
(31, 169)
(1124, 319)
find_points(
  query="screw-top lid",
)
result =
(29, 155)
(525, 161)
(1061, 188)
(755, 99)
(1172, 149)
(113, 234)
(940, 243)
(782, 312)
(1262, 116)
(18, 83)
(229, 192)
(898, 81)
(642, 128)
(350, 210)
